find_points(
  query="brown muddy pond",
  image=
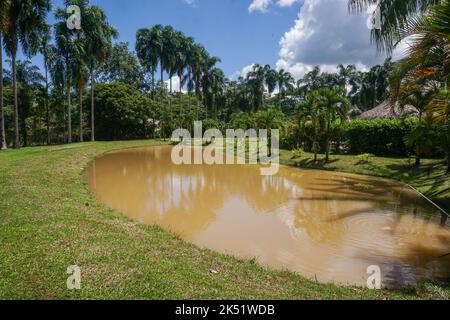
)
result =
(324, 225)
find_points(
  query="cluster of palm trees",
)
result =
(21, 23)
(421, 78)
(263, 78)
(171, 52)
(70, 60)
(365, 89)
(322, 109)
(174, 54)
(250, 92)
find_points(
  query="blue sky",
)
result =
(290, 34)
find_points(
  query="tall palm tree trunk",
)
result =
(153, 82)
(189, 92)
(181, 96)
(198, 107)
(16, 102)
(69, 111)
(92, 105)
(2, 115)
(47, 109)
(327, 144)
(170, 93)
(81, 113)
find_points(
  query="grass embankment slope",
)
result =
(49, 221)
(430, 178)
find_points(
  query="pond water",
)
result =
(324, 225)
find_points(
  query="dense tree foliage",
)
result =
(93, 87)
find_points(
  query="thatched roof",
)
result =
(389, 110)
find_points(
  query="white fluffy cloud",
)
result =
(326, 34)
(263, 5)
(259, 5)
(286, 3)
(190, 2)
(242, 73)
(175, 84)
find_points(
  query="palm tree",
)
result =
(395, 15)
(80, 78)
(68, 49)
(171, 40)
(190, 56)
(179, 63)
(198, 57)
(346, 74)
(3, 144)
(207, 81)
(425, 72)
(146, 50)
(158, 42)
(257, 78)
(311, 111)
(26, 18)
(217, 78)
(45, 49)
(439, 110)
(335, 106)
(285, 80)
(271, 80)
(98, 34)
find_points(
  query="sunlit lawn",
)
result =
(430, 178)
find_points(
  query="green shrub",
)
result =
(122, 112)
(379, 136)
(297, 153)
(364, 158)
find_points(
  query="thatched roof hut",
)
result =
(389, 110)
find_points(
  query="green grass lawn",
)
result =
(49, 221)
(430, 178)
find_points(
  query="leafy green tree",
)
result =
(25, 20)
(123, 112)
(29, 84)
(271, 118)
(122, 65)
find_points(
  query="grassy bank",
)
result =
(49, 221)
(430, 178)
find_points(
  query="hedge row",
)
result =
(382, 137)
(379, 136)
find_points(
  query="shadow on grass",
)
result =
(319, 164)
(432, 179)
